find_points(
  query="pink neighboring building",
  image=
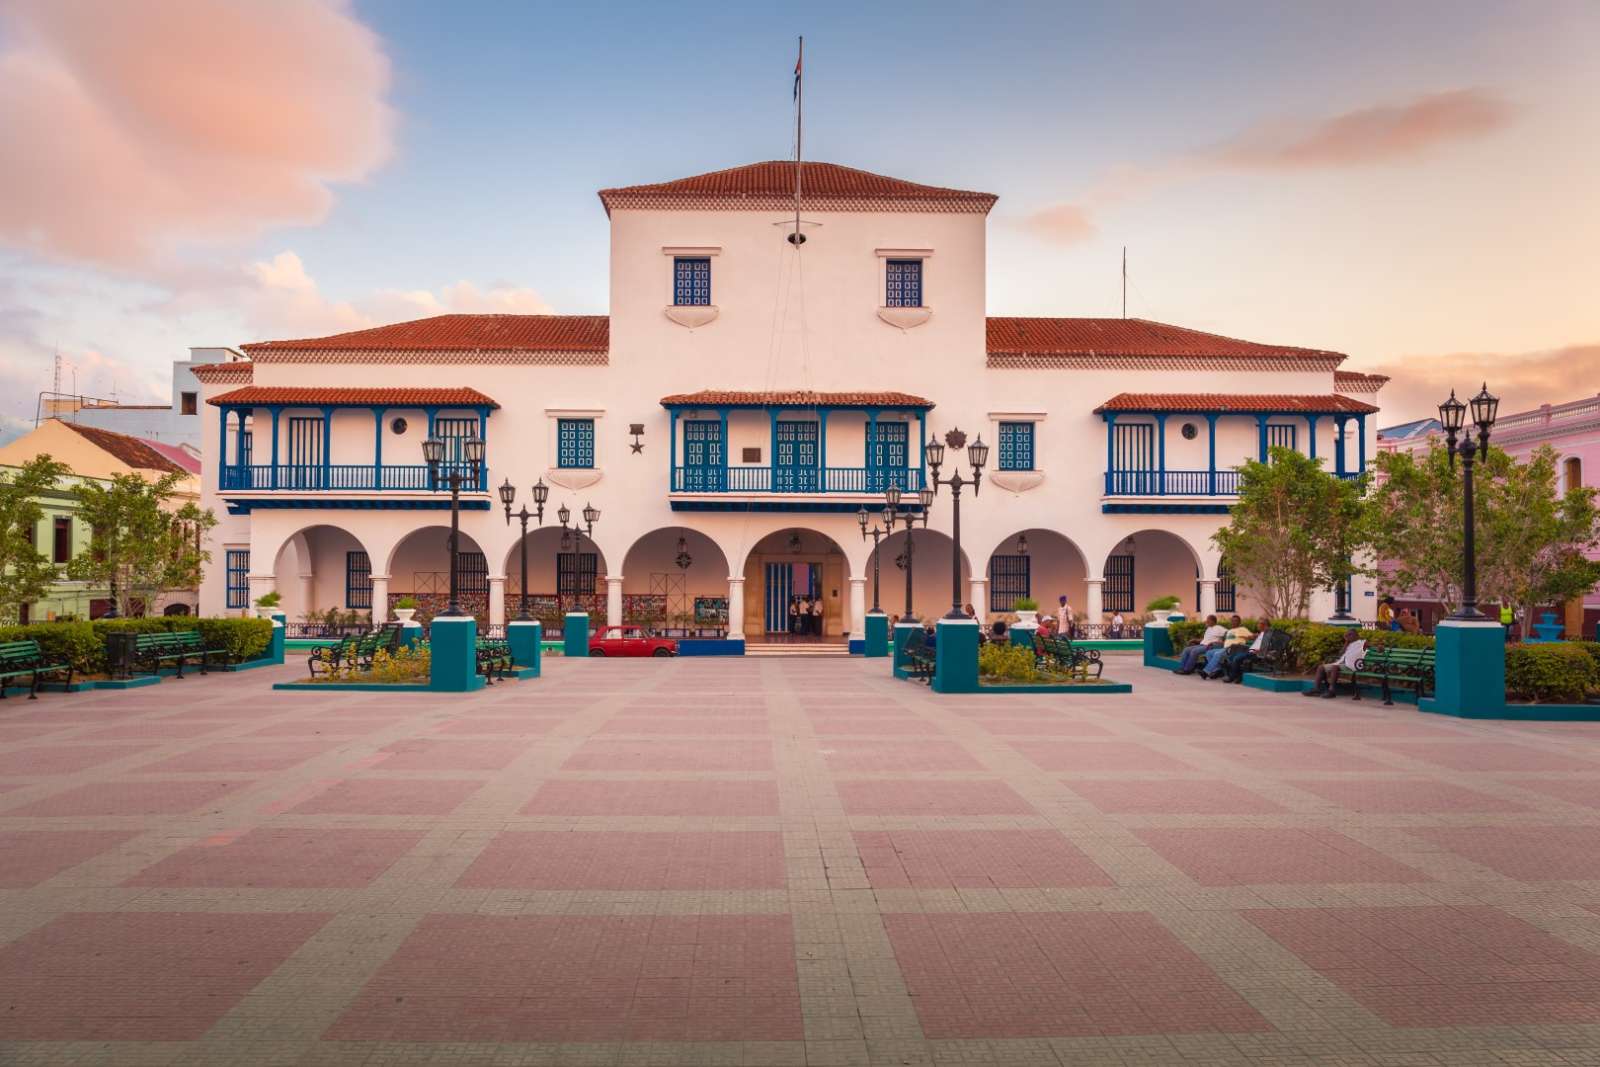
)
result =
(1572, 429)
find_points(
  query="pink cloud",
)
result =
(1522, 380)
(1062, 223)
(142, 124)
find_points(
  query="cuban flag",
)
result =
(797, 63)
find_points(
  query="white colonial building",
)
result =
(746, 396)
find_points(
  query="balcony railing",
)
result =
(794, 480)
(340, 477)
(1180, 483)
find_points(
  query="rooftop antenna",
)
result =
(797, 238)
(56, 388)
(1124, 281)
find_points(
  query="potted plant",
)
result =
(405, 608)
(1164, 607)
(1027, 610)
(267, 604)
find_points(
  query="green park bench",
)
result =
(1389, 667)
(1066, 657)
(919, 658)
(494, 654)
(26, 657)
(178, 647)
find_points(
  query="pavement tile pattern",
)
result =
(789, 862)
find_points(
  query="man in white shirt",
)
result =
(816, 617)
(1328, 674)
(1213, 637)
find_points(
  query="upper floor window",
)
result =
(691, 281)
(902, 283)
(1016, 446)
(237, 566)
(62, 548)
(575, 442)
(190, 402)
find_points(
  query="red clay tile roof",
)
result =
(1025, 342)
(770, 186)
(1367, 383)
(794, 398)
(458, 333)
(390, 397)
(1201, 403)
(134, 451)
(237, 371)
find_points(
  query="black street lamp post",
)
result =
(877, 533)
(461, 472)
(591, 515)
(1452, 413)
(891, 512)
(508, 495)
(977, 457)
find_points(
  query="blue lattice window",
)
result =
(1016, 446)
(903, 283)
(1010, 577)
(237, 568)
(357, 580)
(691, 281)
(575, 442)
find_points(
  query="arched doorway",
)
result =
(566, 572)
(419, 567)
(323, 575)
(1037, 563)
(790, 567)
(676, 580)
(930, 574)
(1149, 564)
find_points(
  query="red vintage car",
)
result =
(630, 641)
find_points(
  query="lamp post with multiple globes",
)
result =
(1452, 413)
(459, 472)
(977, 457)
(508, 496)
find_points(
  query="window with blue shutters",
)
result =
(691, 281)
(237, 566)
(357, 580)
(575, 442)
(903, 283)
(1016, 446)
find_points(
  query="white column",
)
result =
(858, 608)
(614, 600)
(308, 591)
(1208, 597)
(1095, 609)
(497, 601)
(735, 608)
(380, 599)
(978, 592)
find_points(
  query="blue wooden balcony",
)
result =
(793, 480)
(341, 477)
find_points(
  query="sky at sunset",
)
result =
(1416, 184)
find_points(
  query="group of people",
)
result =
(1065, 622)
(1403, 621)
(1223, 652)
(805, 616)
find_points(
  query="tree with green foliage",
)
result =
(1532, 540)
(25, 573)
(1293, 530)
(141, 543)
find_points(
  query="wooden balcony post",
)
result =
(276, 411)
(1338, 444)
(1211, 462)
(1161, 453)
(377, 449)
(1311, 431)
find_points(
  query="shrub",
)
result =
(268, 600)
(83, 644)
(1560, 673)
(408, 603)
(1024, 603)
(1011, 662)
(70, 642)
(1162, 603)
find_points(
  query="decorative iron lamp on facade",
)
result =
(1022, 544)
(892, 497)
(1452, 414)
(508, 496)
(683, 559)
(457, 473)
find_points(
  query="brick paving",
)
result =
(790, 862)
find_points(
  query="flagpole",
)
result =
(799, 128)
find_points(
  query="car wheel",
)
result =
(600, 652)
(662, 652)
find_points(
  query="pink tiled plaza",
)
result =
(789, 861)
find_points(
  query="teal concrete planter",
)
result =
(875, 635)
(525, 638)
(575, 634)
(902, 633)
(955, 656)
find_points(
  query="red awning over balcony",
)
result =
(313, 396)
(1232, 403)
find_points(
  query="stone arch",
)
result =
(312, 568)
(657, 591)
(930, 573)
(419, 566)
(797, 548)
(1165, 563)
(1056, 566)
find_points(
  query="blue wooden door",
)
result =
(702, 456)
(305, 452)
(887, 463)
(795, 464)
(780, 588)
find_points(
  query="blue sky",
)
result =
(492, 125)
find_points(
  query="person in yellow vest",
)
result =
(1507, 617)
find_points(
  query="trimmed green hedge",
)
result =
(84, 643)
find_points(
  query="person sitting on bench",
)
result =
(1239, 636)
(1328, 674)
(1237, 659)
(1212, 638)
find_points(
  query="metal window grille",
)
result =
(1118, 592)
(472, 574)
(357, 580)
(1016, 446)
(1282, 435)
(575, 442)
(1010, 577)
(305, 452)
(249, 448)
(237, 567)
(575, 573)
(903, 283)
(691, 281)
(1227, 597)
